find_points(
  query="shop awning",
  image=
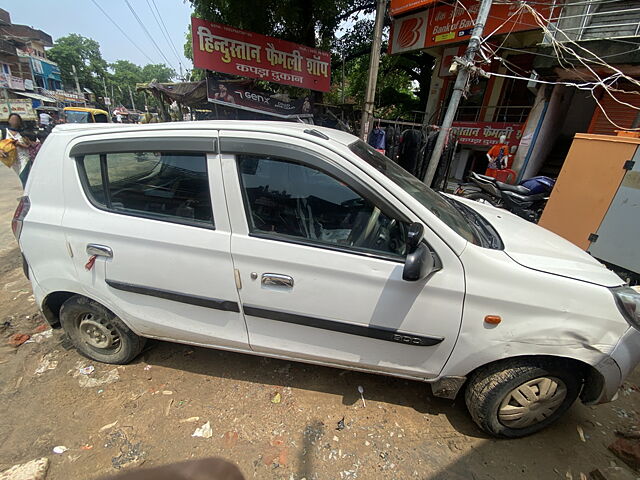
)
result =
(37, 96)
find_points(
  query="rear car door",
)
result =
(152, 208)
(320, 253)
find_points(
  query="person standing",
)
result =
(45, 119)
(22, 165)
(498, 157)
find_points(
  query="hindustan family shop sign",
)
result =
(485, 134)
(222, 48)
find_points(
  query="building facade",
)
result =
(26, 74)
(520, 51)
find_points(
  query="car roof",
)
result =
(290, 128)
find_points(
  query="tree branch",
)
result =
(348, 13)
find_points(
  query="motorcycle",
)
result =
(527, 199)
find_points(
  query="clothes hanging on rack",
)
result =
(425, 153)
(391, 145)
(444, 165)
(377, 139)
(410, 145)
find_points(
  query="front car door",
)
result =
(320, 249)
(154, 202)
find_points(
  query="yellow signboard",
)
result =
(445, 36)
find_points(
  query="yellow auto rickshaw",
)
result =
(85, 115)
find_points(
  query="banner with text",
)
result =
(444, 23)
(486, 134)
(230, 95)
(21, 107)
(222, 48)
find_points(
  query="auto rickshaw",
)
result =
(85, 115)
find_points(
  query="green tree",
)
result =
(158, 72)
(95, 73)
(83, 53)
(125, 75)
(316, 23)
(403, 80)
(309, 22)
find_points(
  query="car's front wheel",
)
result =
(97, 333)
(516, 398)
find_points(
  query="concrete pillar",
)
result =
(543, 128)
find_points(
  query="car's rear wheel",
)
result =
(516, 398)
(97, 333)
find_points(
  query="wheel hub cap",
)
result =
(532, 402)
(98, 333)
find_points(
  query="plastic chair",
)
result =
(506, 176)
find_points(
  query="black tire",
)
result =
(79, 315)
(489, 386)
(482, 198)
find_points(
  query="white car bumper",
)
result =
(620, 363)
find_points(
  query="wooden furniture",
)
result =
(595, 203)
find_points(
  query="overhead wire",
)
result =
(121, 30)
(605, 83)
(148, 34)
(163, 29)
(563, 45)
(560, 49)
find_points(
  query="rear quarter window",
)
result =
(165, 186)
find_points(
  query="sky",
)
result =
(62, 17)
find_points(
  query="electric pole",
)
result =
(458, 89)
(374, 63)
(133, 104)
(75, 76)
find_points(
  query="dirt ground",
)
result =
(275, 419)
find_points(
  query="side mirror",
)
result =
(414, 236)
(419, 262)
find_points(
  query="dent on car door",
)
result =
(320, 255)
(160, 216)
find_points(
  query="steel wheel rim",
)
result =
(98, 332)
(532, 402)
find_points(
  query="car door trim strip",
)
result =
(379, 333)
(217, 304)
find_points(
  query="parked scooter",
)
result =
(527, 200)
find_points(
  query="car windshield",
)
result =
(437, 204)
(74, 116)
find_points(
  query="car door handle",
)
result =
(99, 250)
(277, 280)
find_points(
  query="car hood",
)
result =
(540, 249)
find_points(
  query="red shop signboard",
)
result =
(486, 134)
(445, 23)
(226, 49)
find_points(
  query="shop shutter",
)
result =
(619, 113)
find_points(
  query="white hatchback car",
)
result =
(303, 243)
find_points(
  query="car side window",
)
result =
(287, 200)
(166, 186)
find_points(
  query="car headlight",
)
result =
(628, 300)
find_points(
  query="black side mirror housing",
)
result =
(419, 262)
(415, 232)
